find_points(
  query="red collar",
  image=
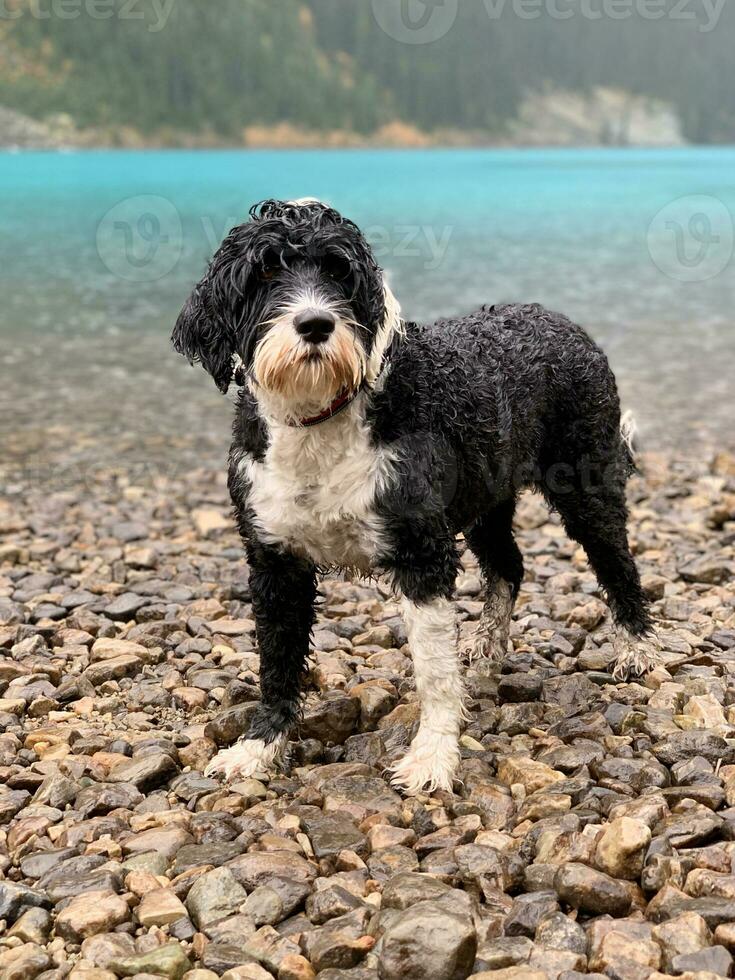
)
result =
(340, 402)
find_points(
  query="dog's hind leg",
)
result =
(501, 563)
(283, 589)
(596, 516)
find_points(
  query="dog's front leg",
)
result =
(431, 622)
(433, 758)
(283, 589)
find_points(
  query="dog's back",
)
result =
(511, 390)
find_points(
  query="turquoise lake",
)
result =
(99, 249)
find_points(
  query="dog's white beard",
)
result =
(305, 379)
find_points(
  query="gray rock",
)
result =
(269, 948)
(329, 835)
(56, 790)
(715, 959)
(231, 723)
(332, 719)
(504, 952)
(101, 798)
(102, 949)
(16, 898)
(591, 891)
(214, 896)
(146, 772)
(515, 688)
(220, 957)
(264, 906)
(215, 853)
(168, 961)
(125, 606)
(686, 745)
(233, 930)
(407, 889)
(112, 670)
(368, 792)
(261, 867)
(356, 973)
(571, 692)
(528, 911)
(390, 861)
(328, 951)
(558, 931)
(12, 802)
(428, 941)
(517, 719)
(37, 864)
(637, 774)
(711, 571)
(330, 902)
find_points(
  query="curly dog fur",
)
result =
(362, 441)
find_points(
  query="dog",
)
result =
(368, 443)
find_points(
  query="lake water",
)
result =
(99, 249)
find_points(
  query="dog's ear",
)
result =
(202, 335)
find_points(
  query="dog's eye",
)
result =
(270, 266)
(337, 267)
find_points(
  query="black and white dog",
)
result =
(367, 443)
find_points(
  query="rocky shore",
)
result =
(592, 832)
(601, 117)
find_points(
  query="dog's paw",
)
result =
(429, 765)
(479, 645)
(246, 758)
(636, 656)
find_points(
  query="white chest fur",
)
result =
(314, 493)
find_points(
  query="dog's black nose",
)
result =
(315, 325)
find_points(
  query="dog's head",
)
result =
(298, 296)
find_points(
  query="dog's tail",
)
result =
(629, 440)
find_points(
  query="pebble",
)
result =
(591, 830)
(214, 896)
(90, 913)
(168, 961)
(428, 940)
(160, 907)
(591, 891)
(621, 846)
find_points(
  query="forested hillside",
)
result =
(217, 66)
